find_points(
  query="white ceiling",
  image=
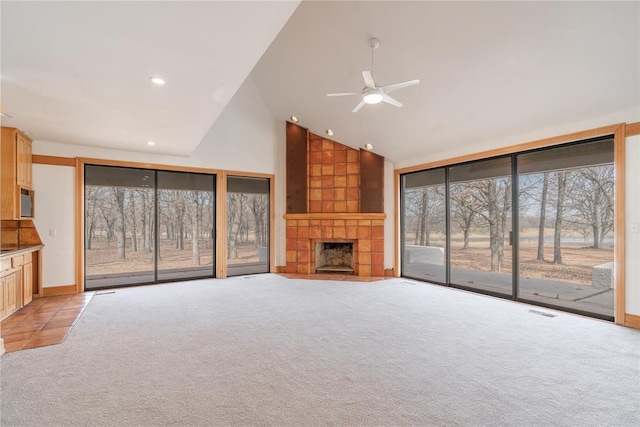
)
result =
(77, 72)
(488, 70)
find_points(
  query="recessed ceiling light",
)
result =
(368, 147)
(157, 80)
(329, 132)
(294, 119)
(151, 143)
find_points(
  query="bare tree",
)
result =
(557, 235)
(119, 194)
(235, 207)
(543, 214)
(592, 203)
(195, 227)
(464, 207)
(132, 219)
(91, 210)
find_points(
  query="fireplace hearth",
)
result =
(334, 257)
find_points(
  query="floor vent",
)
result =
(542, 313)
(104, 293)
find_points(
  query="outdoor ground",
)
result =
(101, 259)
(578, 261)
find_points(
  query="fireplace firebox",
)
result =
(334, 257)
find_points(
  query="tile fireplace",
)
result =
(335, 211)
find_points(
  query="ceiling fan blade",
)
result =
(368, 80)
(343, 94)
(389, 100)
(358, 107)
(396, 86)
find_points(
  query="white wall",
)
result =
(632, 217)
(246, 138)
(55, 221)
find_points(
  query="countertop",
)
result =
(9, 252)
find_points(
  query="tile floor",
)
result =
(44, 321)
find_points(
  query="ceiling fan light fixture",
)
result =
(157, 80)
(372, 98)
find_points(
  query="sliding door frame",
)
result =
(619, 134)
(220, 267)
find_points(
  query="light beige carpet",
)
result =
(267, 350)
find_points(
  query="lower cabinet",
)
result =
(11, 284)
(16, 283)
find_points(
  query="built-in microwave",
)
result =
(26, 203)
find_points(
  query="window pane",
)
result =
(424, 225)
(119, 226)
(247, 225)
(480, 224)
(185, 225)
(566, 227)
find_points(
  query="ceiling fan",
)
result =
(373, 94)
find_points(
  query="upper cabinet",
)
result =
(23, 160)
(16, 177)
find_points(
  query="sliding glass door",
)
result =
(186, 218)
(424, 239)
(535, 226)
(566, 227)
(248, 213)
(146, 226)
(480, 224)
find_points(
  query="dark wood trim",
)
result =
(53, 160)
(296, 168)
(371, 182)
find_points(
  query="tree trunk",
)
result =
(195, 226)
(134, 226)
(557, 249)
(504, 211)
(543, 216)
(597, 225)
(120, 223)
(234, 222)
(494, 233)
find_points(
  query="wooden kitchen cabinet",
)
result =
(10, 284)
(27, 280)
(19, 278)
(24, 176)
(16, 178)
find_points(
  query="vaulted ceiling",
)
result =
(77, 72)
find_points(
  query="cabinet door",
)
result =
(23, 166)
(27, 283)
(11, 283)
(3, 281)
